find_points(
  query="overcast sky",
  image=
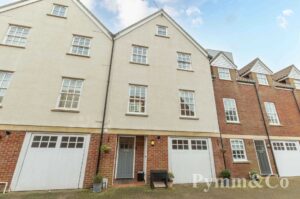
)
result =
(268, 29)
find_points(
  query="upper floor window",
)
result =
(162, 31)
(297, 83)
(16, 35)
(59, 10)
(81, 45)
(262, 79)
(238, 150)
(137, 99)
(187, 103)
(139, 54)
(272, 113)
(4, 82)
(184, 61)
(224, 73)
(230, 110)
(70, 93)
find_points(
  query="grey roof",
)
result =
(283, 73)
(248, 67)
(214, 53)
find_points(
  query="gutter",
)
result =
(105, 106)
(266, 126)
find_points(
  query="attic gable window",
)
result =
(224, 73)
(262, 79)
(162, 31)
(59, 10)
(16, 36)
(297, 83)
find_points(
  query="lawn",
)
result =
(178, 192)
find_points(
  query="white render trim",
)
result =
(294, 74)
(221, 55)
(145, 158)
(154, 15)
(260, 67)
(267, 155)
(84, 161)
(22, 3)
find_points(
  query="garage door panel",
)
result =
(52, 162)
(287, 156)
(188, 157)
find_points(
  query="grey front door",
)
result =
(262, 156)
(125, 157)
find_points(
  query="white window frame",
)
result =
(241, 143)
(181, 103)
(60, 93)
(88, 47)
(226, 101)
(224, 73)
(158, 32)
(272, 113)
(6, 73)
(61, 6)
(141, 55)
(297, 83)
(262, 79)
(24, 37)
(129, 98)
(179, 61)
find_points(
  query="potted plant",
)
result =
(105, 148)
(254, 176)
(97, 183)
(226, 175)
(170, 179)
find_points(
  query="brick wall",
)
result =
(218, 155)
(10, 147)
(139, 155)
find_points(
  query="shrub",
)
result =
(226, 173)
(98, 179)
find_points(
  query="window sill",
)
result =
(241, 162)
(65, 110)
(185, 70)
(85, 56)
(188, 118)
(276, 125)
(232, 122)
(225, 79)
(136, 114)
(157, 35)
(139, 63)
(51, 15)
(13, 46)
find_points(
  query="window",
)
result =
(297, 83)
(16, 35)
(59, 10)
(272, 113)
(262, 79)
(238, 150)
(224, 73)
(291, 146)
(137, 99)
(139, 54)
(81, 45)
(180, 144)
(230, 110)
(71, 142)
(278, 146)
(199, 144)
(184, 61)
(187, 103)
(4, 82)
(70, 93)
(162, 31)
(44, 141)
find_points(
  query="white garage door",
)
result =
(190, 156)
(287, 156)
(51, 161)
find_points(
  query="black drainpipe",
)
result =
(105, 106)
(266, 126)
(295, 97)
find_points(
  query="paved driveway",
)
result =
(178, 192)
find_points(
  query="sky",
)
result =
(268, 29)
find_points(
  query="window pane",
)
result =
(81, 45)
(224, 73)
(230, 110)
(139, 54)
(70, 93)
(184, 61)
(137, 99)
(16, 35)
(187, 103)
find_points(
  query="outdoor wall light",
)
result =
(152, 142)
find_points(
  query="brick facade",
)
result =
(10, 147)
